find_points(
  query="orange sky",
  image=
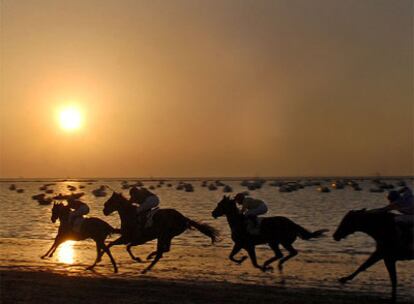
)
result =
(207, 88)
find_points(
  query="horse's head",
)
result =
(225, 206)
(349, 224)
(113, 203)
(56, 211)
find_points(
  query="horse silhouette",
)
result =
(274, 231)
(91, 228)
(391, 246)
(167, 223)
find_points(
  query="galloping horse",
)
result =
(273, 231)
(381, 227)
(167, 223)
(91, 228)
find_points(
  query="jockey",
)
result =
(251, 207)
(145, 199)
(78, 209)
(403, 202)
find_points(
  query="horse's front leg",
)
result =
(390, 264)
(58, 240)
(236, 249)
(375, 257)
(252, 254)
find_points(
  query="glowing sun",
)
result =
(70, 118)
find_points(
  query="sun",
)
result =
(70, 118)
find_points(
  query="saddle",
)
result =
(145, 219)
(253, 225)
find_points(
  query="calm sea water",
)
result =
(26, 232)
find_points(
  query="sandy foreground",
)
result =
(25, 286)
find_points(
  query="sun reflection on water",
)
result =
(65, 253)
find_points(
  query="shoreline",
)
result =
(20, 285)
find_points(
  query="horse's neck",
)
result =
(64, 215)
(375, 228)
(234, 219)
(126, 212)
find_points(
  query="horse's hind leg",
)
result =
(292, 252)
(278, 255)
(128, 248)
(151, 255)
(163, 245)
(108, 252)
(99, 253)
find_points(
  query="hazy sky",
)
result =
(207, 88)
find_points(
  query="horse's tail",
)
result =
(305, 234)
(206, 229)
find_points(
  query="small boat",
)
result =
(12, 187)
(45, 201)
(227, 189)
(71, 196)
(180, 186)
(49, 191)
(71, 188)
(38, 196)
(151, 187)
(337, 185)
(357, 187)
(20, 190)
(100, 192)
(212, 187)
(188, 188)
(323, 189)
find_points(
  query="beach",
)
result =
(20, 285)
(195, 270)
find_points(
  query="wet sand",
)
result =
(19, 285)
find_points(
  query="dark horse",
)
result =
(381, 227)
(167, 223)
(91, 228)
(274, 231)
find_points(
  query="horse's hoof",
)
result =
(138, 260)
(280, 267)
(115, 270)
(144, 271)
(43, 257)
(343, 280)
(267, 268)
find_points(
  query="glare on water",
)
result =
(65, 252)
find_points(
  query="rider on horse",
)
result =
(402, 201)
(78, 209)
(251, 207)
(145, 199)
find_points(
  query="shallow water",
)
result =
(26, 233)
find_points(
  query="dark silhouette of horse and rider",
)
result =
(142, 220)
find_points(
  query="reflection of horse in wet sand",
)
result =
(274, 231)
(392, 246)
(166, 224)
(91, 228)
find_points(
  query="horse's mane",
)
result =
(378, 216)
